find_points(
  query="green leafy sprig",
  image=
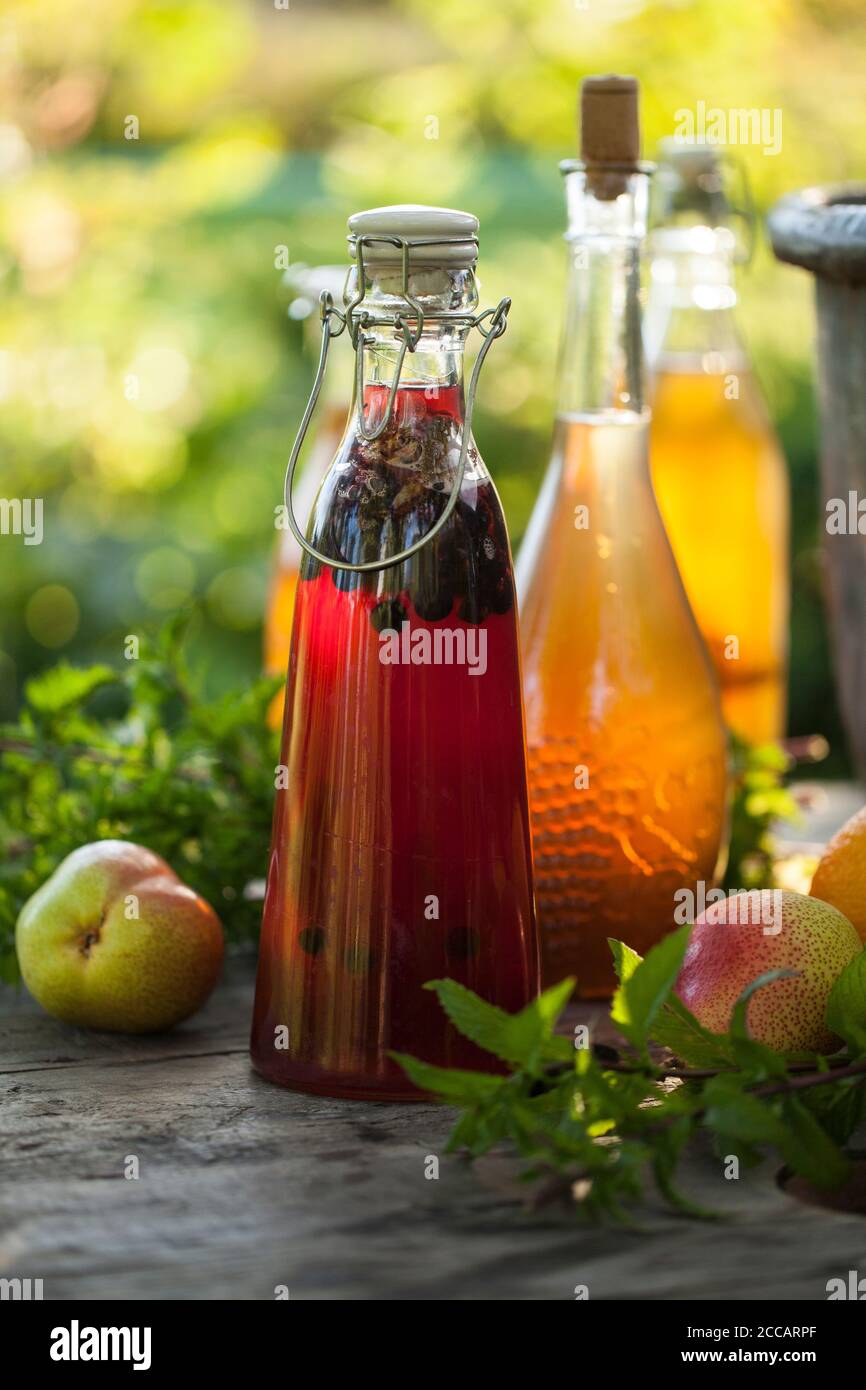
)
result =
(595, 1123)
(760, 799)
(190, 778)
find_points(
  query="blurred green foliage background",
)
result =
(156, 154)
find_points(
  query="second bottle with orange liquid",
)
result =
(627, 751)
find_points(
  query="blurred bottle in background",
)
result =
(305, 284)
(717, 469)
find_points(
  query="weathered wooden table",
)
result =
(244, 1187)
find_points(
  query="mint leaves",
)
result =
(644, 985)
(595, 1125)
(759, 800)
(846, 1009)
(525, 1039)
(63, 686)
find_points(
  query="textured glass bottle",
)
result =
(400, 849)
(717, 468)
(627, 758)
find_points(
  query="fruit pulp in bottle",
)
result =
(719, 478)
(400, 849)
(627, 757)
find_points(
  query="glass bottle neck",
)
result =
(692, 296)
(429, 377)
(429, 381)
(601, 356)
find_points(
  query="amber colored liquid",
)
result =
(627, 757)
(280, 608)
(721, 486)
(400, 849)
(279, 615)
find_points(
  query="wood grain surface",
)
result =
(244, 1187)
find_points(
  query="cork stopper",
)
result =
(609, 132)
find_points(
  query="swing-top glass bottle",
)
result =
(400, 850)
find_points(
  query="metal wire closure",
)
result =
(743, 208)
(356, 324)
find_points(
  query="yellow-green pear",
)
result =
(114, 941)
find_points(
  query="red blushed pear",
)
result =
(113, 940)
(734, 941)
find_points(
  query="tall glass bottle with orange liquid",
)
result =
(627, 755)
(718, 472)
(306, 284)
(400, 850)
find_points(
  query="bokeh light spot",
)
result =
(165, 577)
(161, 375)
(235, 598)
(52, 615)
